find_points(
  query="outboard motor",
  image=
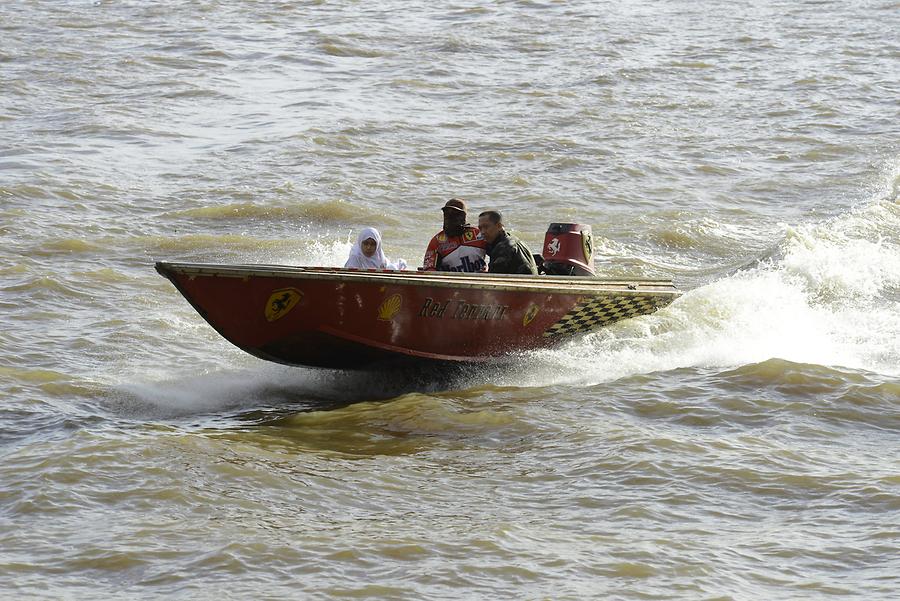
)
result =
(568, 250)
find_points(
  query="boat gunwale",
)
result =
(514, 282)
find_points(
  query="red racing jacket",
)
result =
(456, 253)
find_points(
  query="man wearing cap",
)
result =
(457, 247)
(507, 253)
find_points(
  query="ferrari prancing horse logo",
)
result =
(587, 242)
(554, 246)
(281, 301)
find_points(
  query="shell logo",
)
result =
(390, 307)
(281, 301)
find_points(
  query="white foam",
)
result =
(833, 299)
(216, 390)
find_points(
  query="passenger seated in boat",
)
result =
(457, 247)
(507, 253)
(367, 253)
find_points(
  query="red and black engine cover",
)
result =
(568, 250)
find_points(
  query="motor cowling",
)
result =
(568, 250)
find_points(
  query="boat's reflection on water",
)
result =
(411, 423)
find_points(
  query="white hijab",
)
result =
(358, 260)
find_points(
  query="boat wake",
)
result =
(829, 295)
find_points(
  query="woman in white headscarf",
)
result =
(367, 253)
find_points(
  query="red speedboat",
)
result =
(355, 319)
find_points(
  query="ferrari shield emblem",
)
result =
(281, 301)
(588, 241)
(530, 314)
(389, 307)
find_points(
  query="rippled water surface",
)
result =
(740, 444)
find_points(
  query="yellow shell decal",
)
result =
(389, 307)
(530, 314)
(281, 301)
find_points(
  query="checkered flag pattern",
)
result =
(598, 311)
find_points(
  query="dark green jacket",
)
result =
(510, 255)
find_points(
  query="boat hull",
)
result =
(349, 319)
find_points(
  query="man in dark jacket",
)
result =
(508, 254)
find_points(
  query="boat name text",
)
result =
(462, 310)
